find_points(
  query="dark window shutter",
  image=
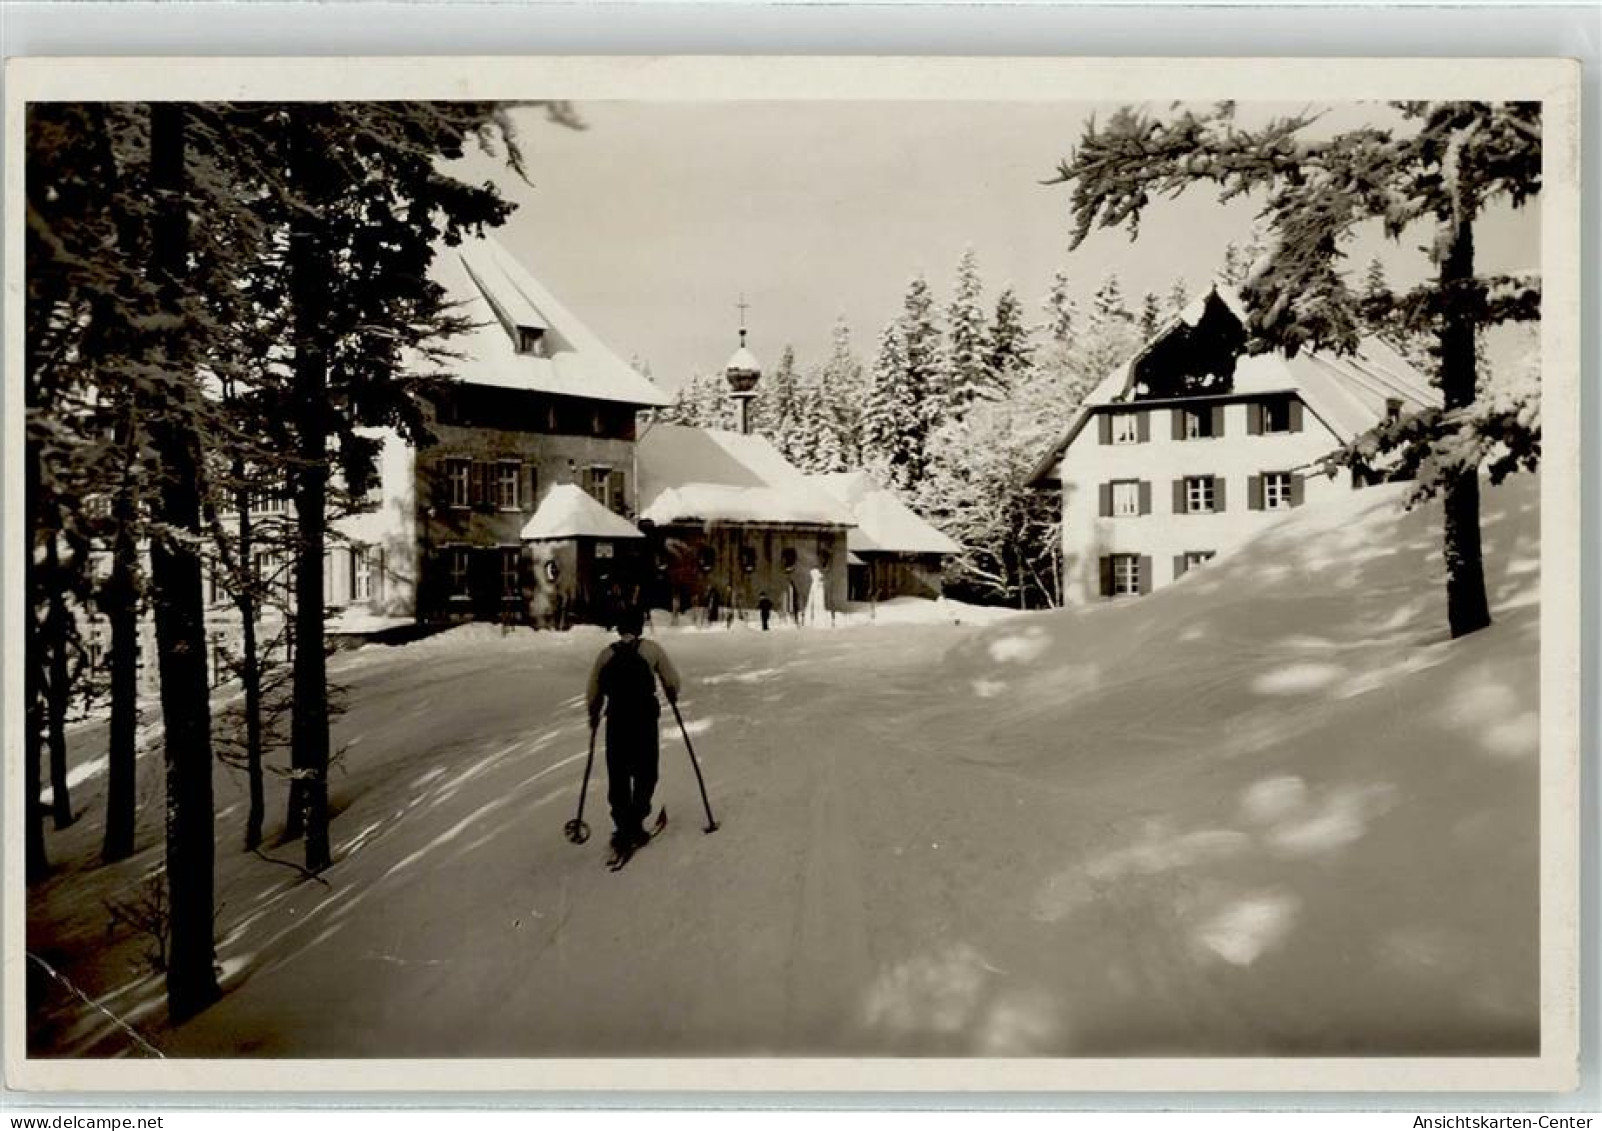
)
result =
(1254, 419)
(1179, 566)
(1143, 426)
(1254, 492)
(1106, 575)
(1145, 497)
(1145, 573)
(378, 574)
(1104, 426)
(475, 483)
(533, 489)
(1218, 420)
(615, 489)
(1179, 423)
(1106, 500)
(1298, 487)
(1218, 493)
(1295, 415)
(1179, 496)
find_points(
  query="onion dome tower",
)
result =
(742, 373)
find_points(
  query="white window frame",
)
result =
(600, 485)
(459, 487)
(1195, 558)
(1276, 490)
(1201, 496)
(1125, 498)
(361, 573)
(1125, 427)
(508, 473)
(1126, 575)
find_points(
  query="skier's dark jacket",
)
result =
(620, 677)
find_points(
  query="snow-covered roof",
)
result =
(701, 475)
(502, 298)
(885, 524)
(743, 358)
(568, 512)
(1348, 392)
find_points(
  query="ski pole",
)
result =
(577, 831)
(711, 823)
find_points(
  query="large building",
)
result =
(1191, 446)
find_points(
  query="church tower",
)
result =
(742, 373)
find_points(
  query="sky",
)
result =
(652, 222)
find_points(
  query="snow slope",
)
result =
(1269, 810)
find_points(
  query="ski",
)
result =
(621, 856)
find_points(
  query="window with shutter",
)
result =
(1201, 494)
(1125, 498)
(1276, 490)
(458, 491)
(617, 498)
(1126, 574)
(508, 477)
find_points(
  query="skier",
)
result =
(765, 608)
(624, 677)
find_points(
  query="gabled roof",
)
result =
(705, 475)
(1348, 392)
(885, 524)
(568, 512)
(500, 296)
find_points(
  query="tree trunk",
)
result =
(120, 603)
(58, 685)
(179, 607)
(37, 862)
(249, 665)
(308, 811)
(1467, 609)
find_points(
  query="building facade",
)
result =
(1192, 447)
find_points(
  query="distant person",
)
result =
(714, 607)
(764, 608)
(623, 678)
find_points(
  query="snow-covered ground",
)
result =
(1270, 810)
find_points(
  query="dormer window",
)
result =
(531, 340)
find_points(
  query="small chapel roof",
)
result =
(885, 524)
(707, 475)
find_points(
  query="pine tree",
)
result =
(1108, 307)
(1178, 296)
(967, 375)
(1008, 350)
(1441, 167)
(1151, 315)
(777, 407)
(842, 391)
(892, 413)
(924, 359)
(1062, 312)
